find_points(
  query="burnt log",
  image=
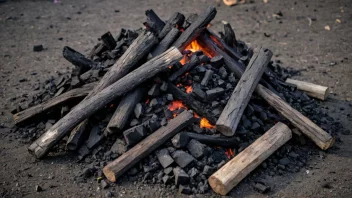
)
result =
(190, 19)
(79, 60)
(229, 35)
(119, 166)
(155, 24)
(175, 21)
(181, 140)
(185, 68)
(86, 108)
(166, 42)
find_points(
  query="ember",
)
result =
(175, 105)
(204, 123)
(229, 153)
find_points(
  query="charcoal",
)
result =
(221, 164)
(221, 82)
(83, 152)
(169, 97)
(196, 78)
(231, 78)
(138, 110)
(119, 147)
(263, 116)
(215, 104)
(134, 135)
(164, 158)
(184, 190)
(255, 127)
(167, 179)
(214, 93)
(153, 103)
(261, 188)
(180, 141)
(95, 137)
(246, 123)
(168, 170)
(134, 122)
(38, 48)
(104, 184)
(229, 86)
(217, 61)
(216, 112)
(182, 158)
(168, 114)
(204, 59)
(197, 149)
(193, 172)
(154, 90)
(200, 69)
(197, 129)
(241, 130)
(198, 92)
(38, 188)
(223, 72)
(163, 86)
(208, 170)
(284, 161)
(181, 176)
(163, 122)
(208, 75)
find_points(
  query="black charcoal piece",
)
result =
(184, 190)
(167, 179)
(261, 188)
(208, 75)
(134, 135)
(217, 61)
(154, 90)
(181, 176)
(223, 72)
(119, 147)
(163, 86)
(208, 170)
(168, 170)
(38, 48)
(214, 93)
(138, 110)
(197, 149)
(197, 129)
(193, 172)
(180, 141)
(182, 158)
(164, 158)
(169, 97)
(95, 137)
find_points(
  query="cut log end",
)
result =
(217, 185)
(224, 129)
(313, 90)
(109, 174)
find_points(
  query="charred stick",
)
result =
(190, 19)
(89, 106)
(166, 42)
(76, 138)
(154, 22)
(108, 40)
(207, 76)
(175, 21)
(183, 138)
(229, 35)
(185, 68)
(79, 60)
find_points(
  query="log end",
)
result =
(225, 130)
(35, 150)
(217, 185)
(324, 146)
(109, 174)
(326, 93)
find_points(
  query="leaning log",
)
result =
(154, 22)
(175, 21)
(313, 90)
(228, 176)
(117, 167)
(40, 109)
(229, 35)
(79, 60)
(86, 108)
(166, 42)
(232, 113)
(191, 103)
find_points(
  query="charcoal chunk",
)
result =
(154, 90)
(180, 140)
(217, 61)
(138, 110)
(181, 176)
(184, 190)
(197, 149)
(182, 158)
(38, 48)
(164, 158)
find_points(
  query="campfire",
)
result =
(174, 103)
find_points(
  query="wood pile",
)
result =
(174, 103)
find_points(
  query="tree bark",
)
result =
(232, 113)
(228, 176)
(89, 106)
(117, 167)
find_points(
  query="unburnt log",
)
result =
(232, 113)
(79, 60)
(194, 30)
(155, 24)
(313, 90)
(185, 68)
(61, 100)
(228, 176)
(191, 103)
(175, 21)
(119, 166)
(86, 108)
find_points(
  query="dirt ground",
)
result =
(299, 39)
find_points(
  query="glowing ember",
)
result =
(196, 115)
(204, 123)
(176, 104)
(188, 89)
(193, 47)
(146, 102)
(229, 153)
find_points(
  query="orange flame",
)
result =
(176, 104)
(229, 153)
(189, 89)
(193, 47)
(204, 123)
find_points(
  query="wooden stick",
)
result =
(229, 35)
(232, 113)
(79, 60)
(313, 90)
(154, 22)
(191, 103)
(117, 167)
(304, 124)
(89, 106)
(228, 176)
(166, 42)
(195, 28)
(175, 21)
(124, 110)
(32, 112)
(183, 138)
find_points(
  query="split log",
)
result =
(232, 113)
(228, 176)
(32, 112)
(318, 135)
(191, 103)
(166, 42)
(154, 22)
(124, 110)
(304, 124)
(76, 138)
(175, 21)
(108, 40)
(313, 90)
(183, 138)
(185, 68)
(86, 108)
(79, 60)
(195, 28)
(117, 167)
(229, 35)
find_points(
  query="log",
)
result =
(190, 19)
(229, 35)
(185, 68)
(183, 138)
(79, 60)
(195, 28)
(175, 21)
(154, 22)
(86, 108)
(32, 112)
(230, 51)
(191, 103)
(166, 42)
(313, 90)
(117, 167)
(124, 110)
(76, 138)
(318, 135)
(108, 41)
(232, 113)
(304, 124)
(228, 176)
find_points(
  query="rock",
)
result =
(138, 110)
(38, 48)
(181, 176)
(104, 184)
(261, 188)
(208, 170)
(284, 161)
(182, 158)
(164, 158)
(197, 149)
(38, 188)
(184, 190)
(118, 147)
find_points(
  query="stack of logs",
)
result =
(154, 54)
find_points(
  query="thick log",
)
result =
(79, 60)
(228, 176)
(175, 21)
(232, 113)
(33, 112)
(166, 42)
(229, 35)
(154, 22)
(185, 68)
(313, 90)
(117, 167)
(124, 110)
(191, 103)
(304, 124)
(86, 108)
(183, 138)
(195, 28)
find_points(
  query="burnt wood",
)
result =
(185, 68)
(86, 108)
(166, 42)
(232, 113)
(119, 166)
(191, 103)
(76, 138)
(209, 140)
(229, 35)
(79, 60)
(175, 21)
(190, 19)
(108, 40)
(154, 22)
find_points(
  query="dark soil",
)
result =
(298, 39)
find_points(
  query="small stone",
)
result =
(38, 188)
(284, 161)
(38, 48)
(184, 190)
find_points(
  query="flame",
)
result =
(196, 115)
(229, 153)
(176, 104)
(204, 123)
(193, 47)
(189, 89)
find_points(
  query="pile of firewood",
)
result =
(172, 99)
